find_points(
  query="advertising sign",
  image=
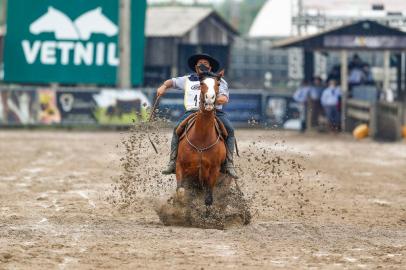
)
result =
(68, 41)
(370, 42)
(48, 110)
(242, 109)
(77, 107)
(18, 107)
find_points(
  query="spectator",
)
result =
(356, 77)
(368, 78)
(330, 100)
(356, 62)
(335, 74)
(315, 94)
(300, 96)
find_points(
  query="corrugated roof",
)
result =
(355, 28)
(287, 42)
(173, 21)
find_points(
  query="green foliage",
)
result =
(240, 14)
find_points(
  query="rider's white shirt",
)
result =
(191, 85)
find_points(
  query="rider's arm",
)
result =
(223, 95)
(222, 99)
(177, 83)
(164, 87)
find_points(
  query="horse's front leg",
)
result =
(180, 190)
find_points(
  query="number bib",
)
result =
(192, 95)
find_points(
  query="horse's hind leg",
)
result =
(210, 186)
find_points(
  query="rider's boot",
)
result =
(171, 168)
(229, 164)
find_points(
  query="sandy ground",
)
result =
(67, 201)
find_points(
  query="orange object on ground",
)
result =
(404, 131)
(361, 132)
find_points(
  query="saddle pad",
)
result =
(186, 124)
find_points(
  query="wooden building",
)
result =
(385, 119)
(174, 33)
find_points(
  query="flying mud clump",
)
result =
(286, 189)
(140, 178)
(141, 186)
(273, 184)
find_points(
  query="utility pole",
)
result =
(124, 70)
(300, 16)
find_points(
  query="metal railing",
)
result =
(384, 119)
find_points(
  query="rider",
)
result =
(191, 85)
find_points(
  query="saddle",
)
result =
(186, 124)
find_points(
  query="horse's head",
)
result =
(209, 86)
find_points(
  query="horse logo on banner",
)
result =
(91, 22)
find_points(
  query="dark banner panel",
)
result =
(93, 107)
(77, 107)
(244, 108)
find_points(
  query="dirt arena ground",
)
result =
(318, 202)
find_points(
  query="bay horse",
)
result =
(202, 151)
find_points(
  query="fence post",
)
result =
(124, 70)
(309, 112)
(373, 113)
(344, 88)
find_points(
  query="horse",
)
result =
(202, 151)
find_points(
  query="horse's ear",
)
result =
(220, 74)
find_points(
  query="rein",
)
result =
(151, 117)
(201, 150)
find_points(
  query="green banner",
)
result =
(138, 8)
(76, 41)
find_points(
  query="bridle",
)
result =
(203, 149)
(200, 150)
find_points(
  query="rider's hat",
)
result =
(215, 65)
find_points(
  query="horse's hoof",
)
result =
(208, 201)
(181, 194)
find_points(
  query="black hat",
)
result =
(215, 65)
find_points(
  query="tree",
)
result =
(240, 14)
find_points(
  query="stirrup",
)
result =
(232, 173)
(170, 169)
(230, 170)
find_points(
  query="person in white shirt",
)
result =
(330, 100)
(300, 96)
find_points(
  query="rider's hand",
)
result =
(161, 90)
